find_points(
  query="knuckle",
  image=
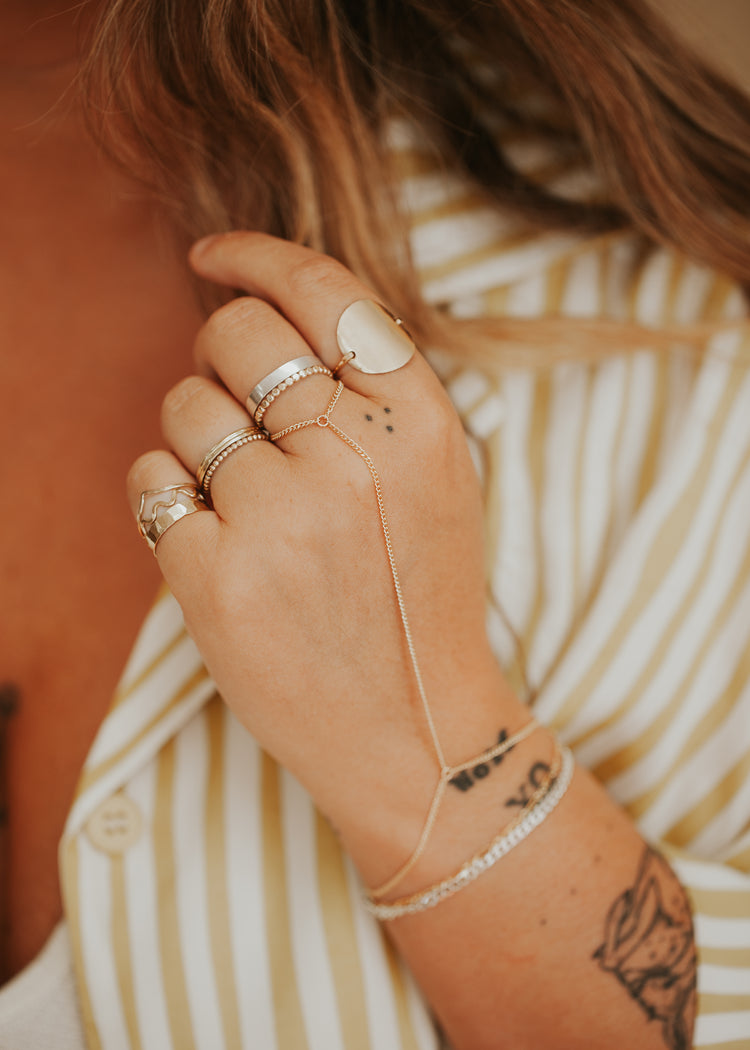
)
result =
(238, 314)
(316, 275)
(182, 394)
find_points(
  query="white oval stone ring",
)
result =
(371, 339)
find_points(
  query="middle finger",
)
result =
(245, 342)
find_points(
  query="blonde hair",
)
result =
(269, 114)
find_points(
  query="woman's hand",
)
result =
(286, 589)
(286, 586)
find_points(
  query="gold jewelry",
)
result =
(345, 359)
(372, 340)
(447, 771)
(221, 451)
(543, 801)
(277, 377)
(159, 509)
(264, 405)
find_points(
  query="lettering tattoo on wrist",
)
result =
(649, 947)
(533, 782)
(467, 778)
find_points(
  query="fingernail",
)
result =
(378, 341)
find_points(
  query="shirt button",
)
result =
(115, 825)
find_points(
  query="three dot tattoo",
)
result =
(388, 426)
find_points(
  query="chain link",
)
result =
(446, 772)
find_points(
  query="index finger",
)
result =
(312, 291)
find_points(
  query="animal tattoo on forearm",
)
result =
(649, 947)
(648, 933)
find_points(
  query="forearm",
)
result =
(579, 937)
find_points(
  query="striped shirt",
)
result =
(209, 904)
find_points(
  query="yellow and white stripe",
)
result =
(232, 919)
(618, 511)
(618, 502)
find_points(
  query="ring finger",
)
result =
(157, 481)
(247, 344)
(198, 415)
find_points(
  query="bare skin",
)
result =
(57, 303)
(578, 909)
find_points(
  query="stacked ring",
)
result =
(216, 456)
(275, 383)
(159, 509)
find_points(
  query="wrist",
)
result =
(485, 808)
(382, 822)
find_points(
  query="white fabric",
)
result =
(39, 1006)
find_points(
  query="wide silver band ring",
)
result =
(278, 390)
(160, 509)
(273, 379)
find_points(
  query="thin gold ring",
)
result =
(221, 451)
(344, 360)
